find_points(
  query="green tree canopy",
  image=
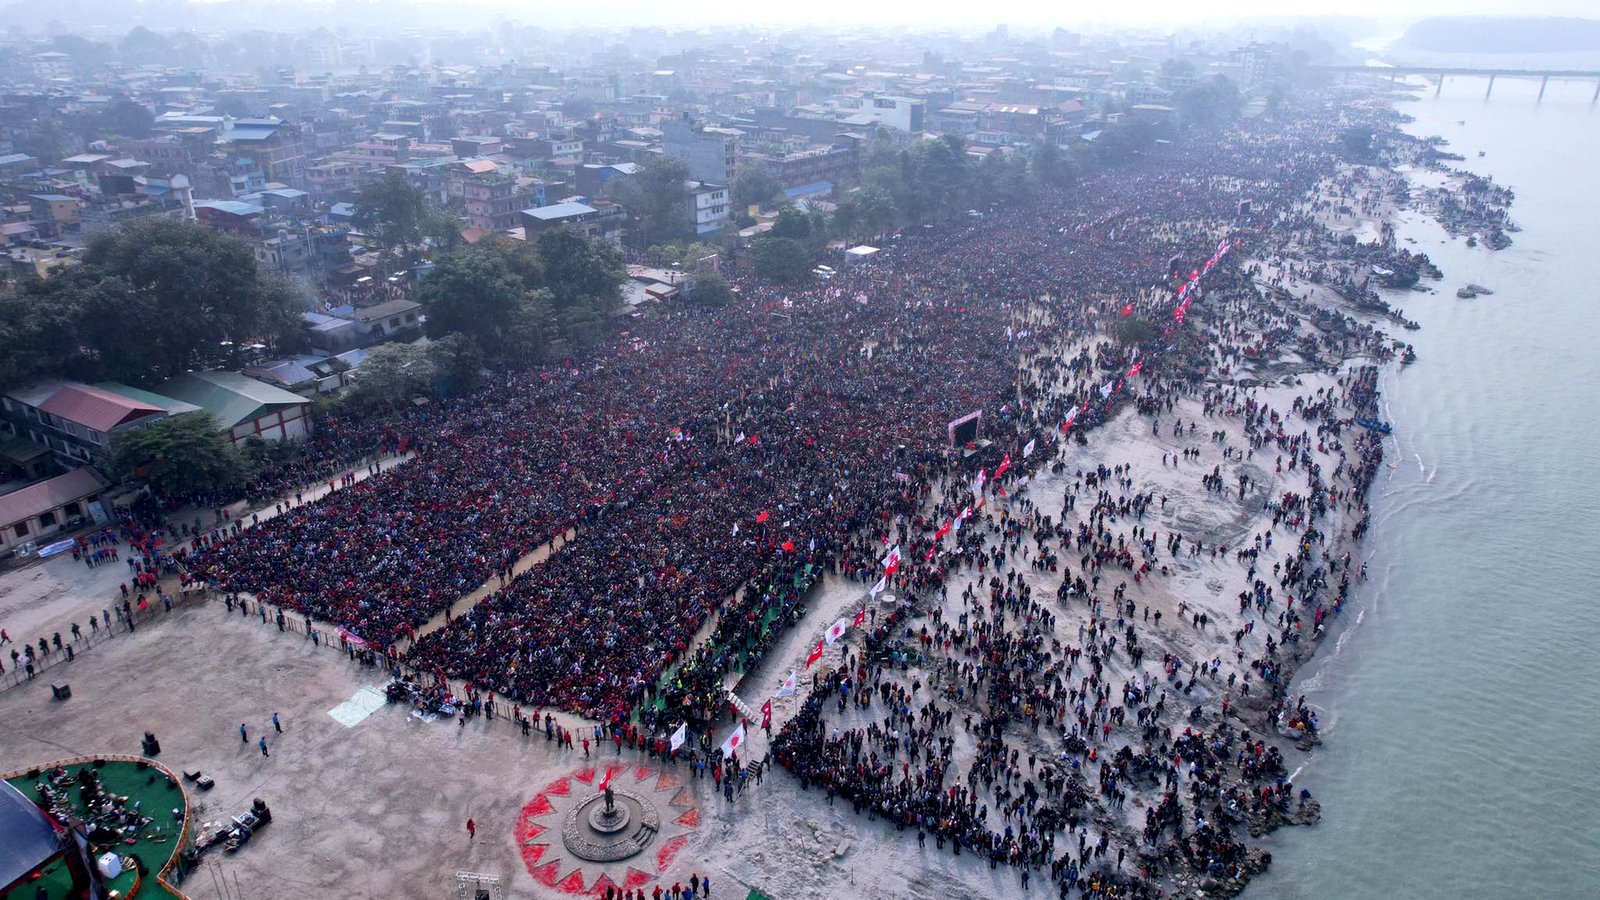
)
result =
(780, 258)
(393, 373)
(392, 212)
(157, 296)
(182, 457)
(124, 118)
(580, 271)
(657, 200)
(711, 290)
(474, 293)
(792, 223)
(753, 185)
(1210, 103)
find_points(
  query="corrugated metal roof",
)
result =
(560, 211)
(37, 498)
(96, 409)
(230, 396)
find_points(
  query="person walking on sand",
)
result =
(263, 745)
(276, 723)
(472, 829)
(244, 734)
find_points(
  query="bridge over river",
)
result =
(1443, 72)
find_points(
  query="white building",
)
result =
(903, 113)
(708, 206)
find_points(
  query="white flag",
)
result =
(1107, 388)
(878, 588)
(893, 554)
(1071, 415)
(788, 686)
(734, 742)
(1027, 449)
(835, 631)
(739, 439)
(679, 737)
(736, 528)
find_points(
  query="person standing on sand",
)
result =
(472, 829)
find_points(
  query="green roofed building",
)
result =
(243, 406)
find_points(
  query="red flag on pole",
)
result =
(606, 780)
(861, 616)
(788, 546)
(1128, 310)
(1004, 465)
(762, 516)
(943, 530)
(814, 655)
(766, 714)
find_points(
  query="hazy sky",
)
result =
(1018, 13)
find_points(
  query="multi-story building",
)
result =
(902, 113)
(493, 199)
(708, 206)
(710, 153)
(81, 423)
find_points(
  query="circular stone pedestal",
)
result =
(593, 834)
(609, 822)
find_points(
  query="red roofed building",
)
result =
(78, 422)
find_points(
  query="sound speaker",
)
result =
(61, 690)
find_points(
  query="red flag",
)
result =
(1136, 367)
(762, 516)
(766, 714)
(1004, 465)
(1128, 310)
(814, 655)
(861, 616)
(606, 780)
(755, 439)
(788, 546)
(931, 550)
(943, 530)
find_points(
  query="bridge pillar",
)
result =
(1596, 98)
(1543, 83)
(1439, 88)
(1491, 87)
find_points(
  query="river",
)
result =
(1461, 701)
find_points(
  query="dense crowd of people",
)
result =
(716, 461)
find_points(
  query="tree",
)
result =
(792, 223)
(458, 362)
(125, 118)
(183, 456)
(391, 212)
(1209, 103)
(657, 199)
(40, 330)
(393, 373)
(141, 46)
(473, 292)
(780, 258)
(754, 185)
(581, 271)
(1051, 168)
(711, 290)
(158, 296)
